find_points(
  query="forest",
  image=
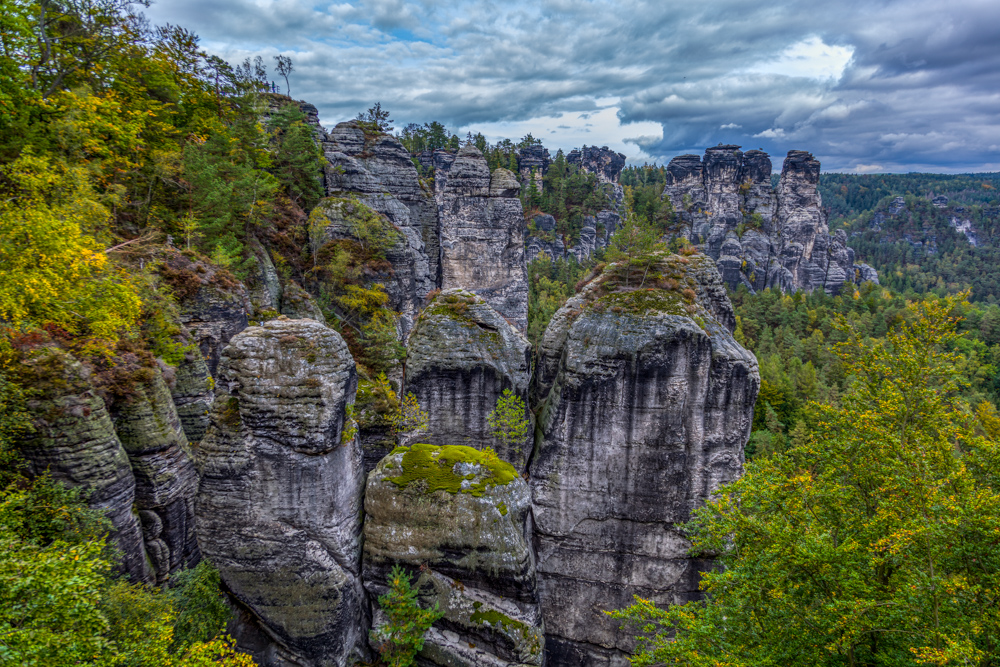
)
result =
(864, 532)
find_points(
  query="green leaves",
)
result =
(507, 422)
(872, 541)
(401, 637)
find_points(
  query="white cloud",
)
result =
(773, 133)
(730, 126)
(809, 58)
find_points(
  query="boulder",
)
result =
(460, 358)
(279, 507)
(647, 402)
(458, 519)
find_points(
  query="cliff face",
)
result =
(647, 406)
(603, 162)
(460, 358)
(378, 170)
(75, 441)
(279, 507)
(459, 520)
(166, 481)
(761, 237)
(482, 234)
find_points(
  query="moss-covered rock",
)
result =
(192, 395)
(149, 429)
(646, 406)
(75, 441)
(460, 358)
(458, 515)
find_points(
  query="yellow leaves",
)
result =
(51, 269)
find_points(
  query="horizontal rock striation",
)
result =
(377, 169)
(647, 405)
(459, 520)
(74, 440)
(761, 237)
(482, 234)
(279, 507)
(166, 481)
(460, 358)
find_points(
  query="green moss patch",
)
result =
(499, 621)
(434, 467)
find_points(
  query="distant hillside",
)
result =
(922, 232)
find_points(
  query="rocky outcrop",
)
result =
(192, 395)
(459, 520)
(378, 170)
(298, 304)
(647, 404)
(166, 481)
(760, 237)
(370, 234)
(74, 441)
(535, 160)
(460, 358)
(213, 305)
(603, 162)
(482, 234)
(279, 507)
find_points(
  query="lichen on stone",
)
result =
(442, 469)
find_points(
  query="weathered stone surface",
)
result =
(279, 507)
(192, 395)
(461, 519)
(336, 219)
(298, 304)
(482, 234)
(603, 162)
(378, 169)
(264, 284)
(647, 406)
(760, 238)
(535, 159)
(74, 440)
(461, 356)
(213, 305)
(166, 481)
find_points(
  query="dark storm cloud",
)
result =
(864, 85)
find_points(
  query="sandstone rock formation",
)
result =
(74, 440)
(213, 304)
(647, 404)
(461, 519)
(345, 219)
(760, 237)
(166, 481)
(192, 395)
(603, 162)
(279, 507)
(461, 356)
(378, 170)
(482, 234)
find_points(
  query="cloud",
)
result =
(898, 83)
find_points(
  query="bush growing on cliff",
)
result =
(507, 422)
(402, 636)
(872, 541)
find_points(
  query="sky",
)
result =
(867, 87)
